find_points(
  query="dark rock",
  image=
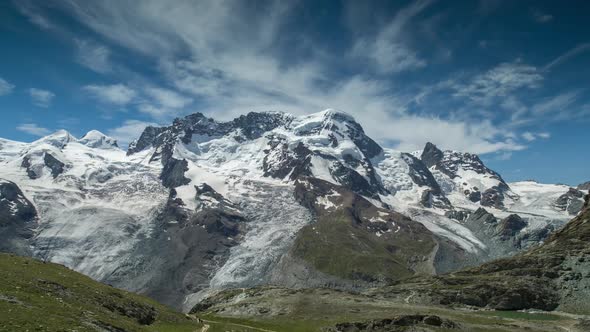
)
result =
(18, 219)
(419, 173)
(481, 216)
(584, 186)
(431, 155)
(474, 196)
(459, 215)
(510, 226)
(280, 162)
(398, 323)
(146, 140)
(571, 201)
(31, 173)
(493, 197)
(56, 166)
(431, 198)
(172, 175)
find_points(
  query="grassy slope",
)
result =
(39, 296)
(343, 241)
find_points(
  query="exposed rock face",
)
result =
(481, 217)
(510, 226)
(572, 201)
(248, 126)
(18, 219)
(431, 155)
(148, 138)
(173, 173)
(185, 248)
(494, 197)
(459, 215)
(281, 162)
(31, 172)
(35, 169)
(56, 166)
(467, 172)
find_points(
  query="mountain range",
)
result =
(201, 206)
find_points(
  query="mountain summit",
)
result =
(266, 198)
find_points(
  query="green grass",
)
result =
(336, 247)
(39, 296)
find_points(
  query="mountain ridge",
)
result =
(201, 205)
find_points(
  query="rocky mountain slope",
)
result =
(267, 198)
(553, 276)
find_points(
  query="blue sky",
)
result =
(506, 79)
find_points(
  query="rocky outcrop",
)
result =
(56, 166)
(280, 162)
(431, 155)
(510, 226)
(572, 201)
(398, 323)
(494, 197)
(172, 175)
(18, 219)
(459, 215)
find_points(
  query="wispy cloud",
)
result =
(555, 104)
(579, 49)
(33, 129)
(40, 97)
(230, 63)
(388, 50)
(499, 81)
(117, 94)
(93, 56)
(5, 87)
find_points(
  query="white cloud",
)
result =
(557, 104)
(155, 111)
(499, 81)
(40, 97)
(168, 98)
(117, 94)
(33, 129)
(528, 136)
(128, 131)
(5, 87)
(388, 50)
(227, 63)
(93, 55)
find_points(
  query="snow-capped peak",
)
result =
(96, 139)
(58, 139)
